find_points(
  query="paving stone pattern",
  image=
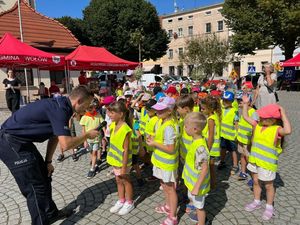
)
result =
(92, 198)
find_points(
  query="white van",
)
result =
(149, 78)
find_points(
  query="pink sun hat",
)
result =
(108, 100)
(269, 111)
(164, 103)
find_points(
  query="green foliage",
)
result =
(76, 26)
(111, 23)
(261, 23)
(138, 72)
(208, 54)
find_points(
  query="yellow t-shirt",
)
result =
(91, 123)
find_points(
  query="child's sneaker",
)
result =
(250, 183)
(91, 174)
(252, 206)
(60, 158)
(234, 170)
(170, 221)
(127, 207)
(116, 207)
(243, 176)
(268, 214)
(75, 157)
(221, 165)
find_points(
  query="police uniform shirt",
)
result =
(40, 120)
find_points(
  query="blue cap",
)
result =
(228, 95)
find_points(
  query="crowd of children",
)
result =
(184, 136)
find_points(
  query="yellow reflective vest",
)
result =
(190, 174)
(244, 132)
(228, 130)
(144, 118)
(196, 108)
(150, 130)
(161, 159)
(184, 140)
(215, 149)
(264, 151)
(116, 149)
(134, 144)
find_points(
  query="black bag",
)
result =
(275, 93)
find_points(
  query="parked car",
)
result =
(149, 78)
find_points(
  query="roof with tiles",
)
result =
(38, 30)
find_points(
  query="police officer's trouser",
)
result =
(30, 172)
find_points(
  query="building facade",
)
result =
(184, 25)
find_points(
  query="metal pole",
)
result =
(22, 39)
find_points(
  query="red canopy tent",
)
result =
(13, 52)
(292, 62)
(96, 58)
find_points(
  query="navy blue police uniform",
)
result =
(36, 122)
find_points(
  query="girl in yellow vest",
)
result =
(196, 169)
(265, 150)
(119, 156)
(244, 136)
(165, 157)
(211, 107)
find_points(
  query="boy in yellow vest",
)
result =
(244, 135)
(229, 124)
(196, 169)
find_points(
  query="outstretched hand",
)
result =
(246, 99)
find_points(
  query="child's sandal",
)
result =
(162, 209)
(189, 208)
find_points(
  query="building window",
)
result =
(208, 13)
(170, 53)
(180, 19)
(208, 27)
(190, 17)
(220, 10)
(250, 64)
(170, 33)
(179, 70)
(180, 32)
(170, 21)
(171, 70)
(20, 74)
(180, 52)
(220, 25)
(57, 76)
(263, 64)
(190, 69)
(191, 30)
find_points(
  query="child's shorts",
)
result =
(93, 146)
(263, 174)
(135, 159)
(165, 176)
(243, 149)
(117, 170)
(228, 145)
(198, 201)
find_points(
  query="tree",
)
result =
(111, 23)
(258, 24)
(208, 54)
(77, 28)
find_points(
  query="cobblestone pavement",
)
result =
(93, 198)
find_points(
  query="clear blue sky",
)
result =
(73, 8)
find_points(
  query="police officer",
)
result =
(43, 120)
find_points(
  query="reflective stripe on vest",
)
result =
(215, 148)
(160, 158)
(144, 118)
(190, 174)
(116, 150)
(263, 151)
(228, 130)
(149, 130)
(244, 134)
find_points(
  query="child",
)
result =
(120, 157)
(265, 149)
(91, 120)
(196, 171)
(211, 107)
(228, 131)
(244, 136)
(165, 157)
(185, 105)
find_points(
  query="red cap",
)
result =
(248, 84)
(215, 93)
(269, 111)
(172, 90)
